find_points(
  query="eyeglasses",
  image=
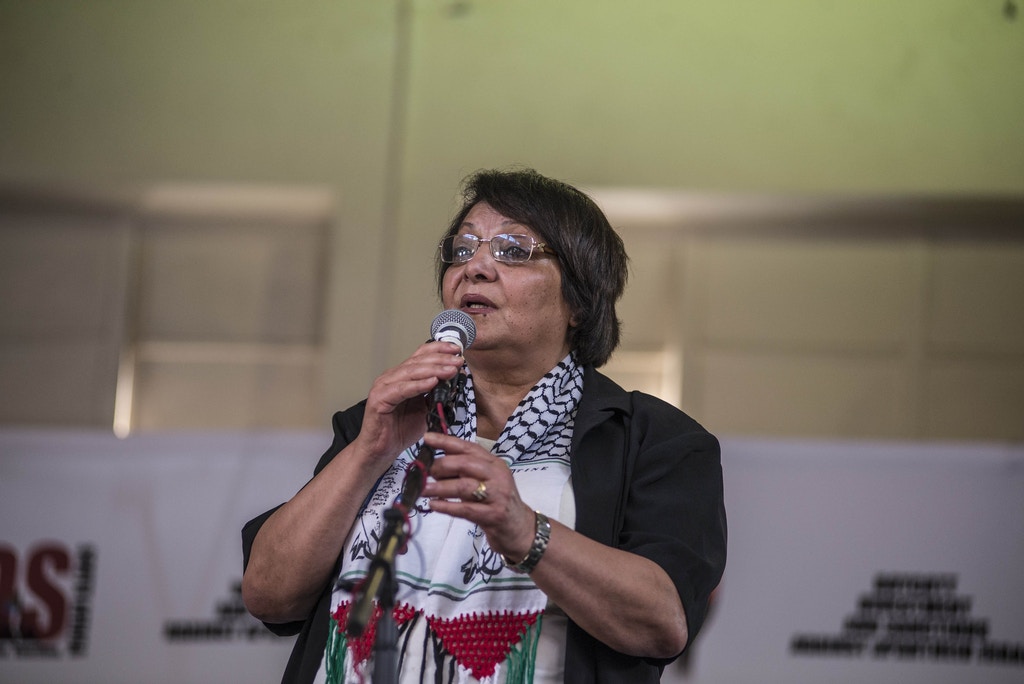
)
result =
(508, 249)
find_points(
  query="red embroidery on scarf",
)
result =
(479, 642)
(362, 647)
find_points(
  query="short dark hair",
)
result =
(591, 254)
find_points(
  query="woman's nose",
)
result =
(481, 264)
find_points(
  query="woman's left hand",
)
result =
(587, 579)
(472, 483)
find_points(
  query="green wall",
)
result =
(390, 103)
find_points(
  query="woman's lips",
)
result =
(474, 303)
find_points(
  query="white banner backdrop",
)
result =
(923, 540)
(161, 517)
(848, 562)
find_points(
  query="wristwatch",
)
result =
(537, 549)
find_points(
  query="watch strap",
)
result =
(537, 548)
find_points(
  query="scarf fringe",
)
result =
(522, 659)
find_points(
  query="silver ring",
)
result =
(480, 493)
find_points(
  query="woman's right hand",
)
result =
(294, 552)
(396, 411)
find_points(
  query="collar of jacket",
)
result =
(602, 398)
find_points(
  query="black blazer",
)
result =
(665, 504)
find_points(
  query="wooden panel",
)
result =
(975, 400)
(977, 298)
(62, 306)
(850, 294)
(60, 274)
(224, 283)
(650, 307)
(228, 395)
(50, 382)
(819, 396)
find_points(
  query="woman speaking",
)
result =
(569, 530)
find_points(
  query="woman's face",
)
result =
(517, 308)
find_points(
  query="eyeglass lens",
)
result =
(458, 249)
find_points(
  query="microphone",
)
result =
(452, 325)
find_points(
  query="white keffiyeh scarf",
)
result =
(480, 616)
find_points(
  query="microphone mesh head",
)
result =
(452, 323)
